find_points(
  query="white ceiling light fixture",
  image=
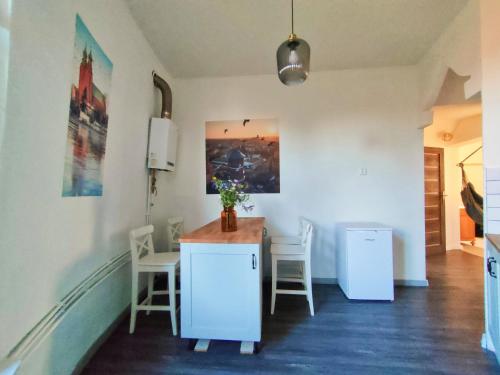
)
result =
(293, 56)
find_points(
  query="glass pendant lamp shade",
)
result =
(293, 60)
(293, 57)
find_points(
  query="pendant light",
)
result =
(293, 57)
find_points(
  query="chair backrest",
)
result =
(302, 223)
(175, 229)
(307, 235)
(141, 243)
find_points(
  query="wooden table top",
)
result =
(494, 240)
(249, 231)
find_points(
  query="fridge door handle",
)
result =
(489, 266)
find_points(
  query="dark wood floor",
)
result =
(435, 330)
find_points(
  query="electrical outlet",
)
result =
(363, 172)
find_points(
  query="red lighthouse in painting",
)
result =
(88, 103)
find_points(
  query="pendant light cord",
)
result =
(292, 16)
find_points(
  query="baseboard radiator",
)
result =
(52, 319)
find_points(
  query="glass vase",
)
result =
(228, 219)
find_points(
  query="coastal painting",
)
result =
(87, 126)
(245, 150)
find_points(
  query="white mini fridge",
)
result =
(364, 261)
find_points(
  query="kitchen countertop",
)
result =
(494, 240)
(249, 231)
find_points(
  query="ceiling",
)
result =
(204, 38)
(455, 113)
(463, 121)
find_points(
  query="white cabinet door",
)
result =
(369, 263)
(492, 280)
(221, 288)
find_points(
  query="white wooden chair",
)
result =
(297, 253)
(290, 240)
(175, 229)
(144, 259)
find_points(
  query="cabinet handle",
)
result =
(254, 261)
(370, 239)
(490, 268)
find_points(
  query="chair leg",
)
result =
(302, 264)
(171, 296)
(308, 281)
(273, 283)
(133, 302)
(151, 280)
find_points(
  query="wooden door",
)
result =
(435, 236)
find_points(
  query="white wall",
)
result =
(468, 129)
(333, 125)
(453, 199)
(5, 9)
(490, 40)
(490, 37)
(49, 243)
(457, 48)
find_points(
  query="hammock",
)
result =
(473, 202)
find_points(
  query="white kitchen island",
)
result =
(221, 284)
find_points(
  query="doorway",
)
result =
(435, 220)
(453, 139)
(471, 232)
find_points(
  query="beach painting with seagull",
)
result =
(245, 150)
